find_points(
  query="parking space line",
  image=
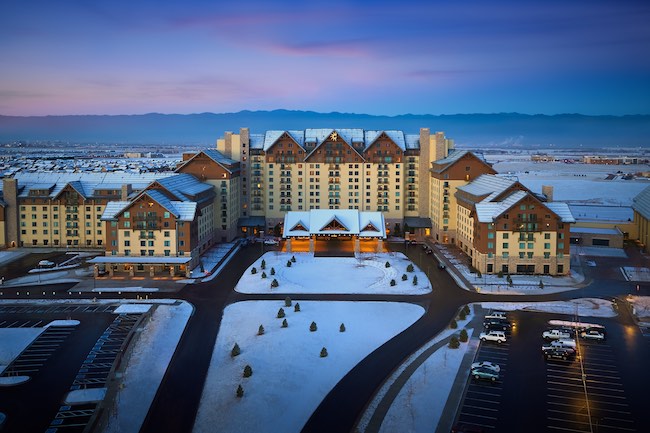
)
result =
(483, 400)
(565, 428)
(482, 408)
(617, 428)
(480, 416)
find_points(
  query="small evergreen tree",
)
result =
(281, 313)
(410, 267)
(272, 270)
(313, 327)
(478, 274)
(541, 284)
(235, 350)
(274, 283)
(285, 323)
(293, 259)
(500, 274)
(510, 283)
(454, 343)
(392, 282)
(263, 265)
(387, 264)
(323, 353)
(248, 371)
(240, 391)
(287, 302)
(263, 274)
(254, 270)
(466, 309)
(342, 328)
(296, 307)
(288, 263)
(453, 324)
(415, 280)
(463, 336)
(462, 315)
(404, 277)
(260, 330)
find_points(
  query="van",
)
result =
(46, 264)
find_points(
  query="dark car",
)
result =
(442, 266)
(428, 251)
(563, 353)
(497, 325)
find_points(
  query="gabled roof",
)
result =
(215, 156)
(271, 137)
(161, 199)
(487, 212)
(454, 156)
(76, 185)
(349, 136)
(396, 136)
(487, 185)
(641, 203)
(183, 185)
(334, 224)
(319, 222)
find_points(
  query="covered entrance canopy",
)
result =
(174, 264)
(334, 223)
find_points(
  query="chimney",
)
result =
(126, 191)
(547, 190)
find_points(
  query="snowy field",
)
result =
(365, 273)
(289, 378)
(574, 183)
(420, 402)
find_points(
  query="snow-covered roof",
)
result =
(219, 157)
(602, 213)
(270, 137)
(396, 136)
(334, 222)
(641, 203)
(184, 185)
(149, 260)
(487, 211)
(562, 210)
(412, 141)
(113, 209)
(487, 184)
(596, 231)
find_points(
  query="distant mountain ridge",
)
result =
(475, 130)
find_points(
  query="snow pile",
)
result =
(365, 273)
(289, 375)
(585, 307)
(640, 307)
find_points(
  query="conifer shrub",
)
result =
(240, 391)
(272, 270)
(313, 327)
(296, 307)
(263, 274)
(288, 263)
(274, 283)
(478, 274)
(453, 324)
(287, 302)
(415, 280)
(342, 328)
(260, 330)
(462, 315)
(293, 259)
(541, 284)
(404, 277)
(263, 265)
(500, 274)
(466, 309)
(281, 313)
(248, 371)
(454, 343)
(235, 350)
(285, 323)
(387, 264)
(392, 282)
(463, 336)
(254, 270)
(323, 353)
(410, 268)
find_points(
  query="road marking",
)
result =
(566, 429)
(480, 416)
(481, 407)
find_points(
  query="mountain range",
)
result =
(470, 130)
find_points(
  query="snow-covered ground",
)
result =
(211, 258)
(584, 307)
(521, 284)
(147, 365)
(640, 307)
(365, 273)
(289, 378)
(13, 341)
(420, 402)
(636, 274)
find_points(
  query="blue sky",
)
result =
(376, 57)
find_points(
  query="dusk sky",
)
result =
(375, 57)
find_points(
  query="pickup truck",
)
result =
(556, 334)
(568, 343)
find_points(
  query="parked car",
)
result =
(496, 324)
(593, 334)
(564, 342)
(563, 353)
(556, 334)
(428, 251)
(499, 315)
(442, 266)
(497, 336)
(271, 242)
(46, 264)
(485, 373)
(486, 364)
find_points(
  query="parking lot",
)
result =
(601, 390)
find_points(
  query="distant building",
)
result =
(641, 206)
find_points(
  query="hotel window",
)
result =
(547, 246)
(547, 255)
(530, 255)
(490, 235)
(166, 214)
(531, 246)
(127, 214)
(505, 255)
(522, 245)
(490, 245)
(560, 245)
(547, 236)
(522, 255)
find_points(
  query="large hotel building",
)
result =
(418, 182)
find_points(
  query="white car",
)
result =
(499, 315)
(486, 364)
(497, 336)
(593, 334)
(271, 242)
